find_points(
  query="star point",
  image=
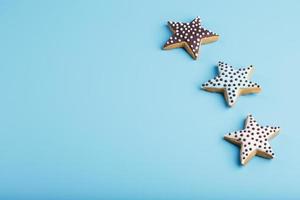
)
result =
(253, 140)
(189, 36)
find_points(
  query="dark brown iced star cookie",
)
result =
(189, 36)
(232, 82)
(253, 139)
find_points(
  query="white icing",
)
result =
(231, 81)
(253, 139)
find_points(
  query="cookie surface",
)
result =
(189, 36)
(232, 83)
(253, 139)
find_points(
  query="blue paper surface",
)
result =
(91, 107)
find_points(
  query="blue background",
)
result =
(92, 108)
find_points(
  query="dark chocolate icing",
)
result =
(191, 34)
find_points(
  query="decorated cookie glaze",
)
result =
(232, 82)
(189, 36)
(253, 139)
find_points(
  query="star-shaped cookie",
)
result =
(232, 83)
(253, 139)
(189, 36)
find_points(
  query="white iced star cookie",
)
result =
(232, 83)
(253, 139)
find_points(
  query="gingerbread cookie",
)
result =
(232, 83)
(189, 36)
(253, 139)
